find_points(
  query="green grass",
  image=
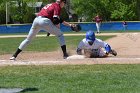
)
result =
(73, 78)
(66, 78)
(41, 44)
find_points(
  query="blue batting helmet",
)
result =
(90, 36)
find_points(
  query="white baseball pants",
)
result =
(41, 23)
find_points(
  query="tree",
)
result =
(21, 12)
(3, 11)
(122, 11)
(137, 9)
(108, 9)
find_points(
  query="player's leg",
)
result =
(125, 27)
(32, 33)
(52, 29)
(97, 25)
(48, 34)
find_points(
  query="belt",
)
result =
(43, 16)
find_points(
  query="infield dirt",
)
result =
(127, 46)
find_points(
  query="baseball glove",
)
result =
(113, 52)
(76, 27)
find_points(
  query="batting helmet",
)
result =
(90, 36)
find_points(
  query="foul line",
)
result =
(73, 61)
(45, 35)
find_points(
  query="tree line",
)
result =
(115, 10)
(110, 10)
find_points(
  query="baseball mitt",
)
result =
(76, 27)
(113, 52)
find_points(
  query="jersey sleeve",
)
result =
(81, 45)
(57, 10)
(105, 45)
(101, 43)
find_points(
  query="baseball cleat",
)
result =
(113, 52)
(48, 34)
(65, 56)
(98, 32)
(12, 58)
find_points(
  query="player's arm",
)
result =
(79, 48)
(79, 51)
(66, 23)
(104, 45)
(56, 17)
(107, 48)
(57, 20)
(74, 27)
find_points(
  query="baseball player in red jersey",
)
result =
(48, 19)
(98, 21)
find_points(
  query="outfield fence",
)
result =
(105, 26)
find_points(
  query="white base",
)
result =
(76, 57)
